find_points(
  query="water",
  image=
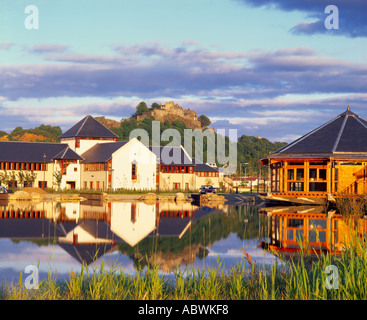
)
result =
(59, 236)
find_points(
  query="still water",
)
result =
(59, 237)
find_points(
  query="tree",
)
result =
(21, 177)
(12, 179)
(30, 178)
(155, 105)
(58, 178)
(141, 107)
(4, 178)
(205, 121)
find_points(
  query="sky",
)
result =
(267, 68)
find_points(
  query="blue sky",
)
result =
(264, 67)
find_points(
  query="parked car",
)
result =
(4, 190)
(207, 189)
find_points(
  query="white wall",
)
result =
(71, 175)
(132, 231)
(84, 144)
(122, 159)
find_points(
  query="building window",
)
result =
(42, 184)
(295, 186)
(84, 184)
(91, 185)
(133, 212)
(95, 167)
(300, 174)
(133, 171)
(322, 174)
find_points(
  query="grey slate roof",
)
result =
(16, 151)
(203, 167)
(342, 135)
(68, 154)
(171, 155)
(88, 127)
(102, 152)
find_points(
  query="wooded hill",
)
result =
(249, 148)
(43, 133)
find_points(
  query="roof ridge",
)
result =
(306, 135)
(66, 149)
(361, 122)
(80, 128)
(29, 142)
(340, 133)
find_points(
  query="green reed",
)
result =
(300, 277)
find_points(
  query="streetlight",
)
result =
(44, 170)
(244, 163)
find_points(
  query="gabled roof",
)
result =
(344, 134)
(67, 154)
(171, 155)
(85, 253)
(102, 152)
(88, 127)
(203, 167)
(17, 151)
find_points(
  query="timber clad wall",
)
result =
(331, 159)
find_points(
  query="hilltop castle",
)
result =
(172, 111)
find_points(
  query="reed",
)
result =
(300, 277)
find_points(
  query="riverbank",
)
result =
(37, 194)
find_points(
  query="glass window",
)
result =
(300, 174)
(317, 223)
(322, 174)
(289, 234)
(290, 174)
(313, 173)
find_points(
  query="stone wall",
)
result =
(171, 112)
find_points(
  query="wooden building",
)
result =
(325, 163)
(296, 228)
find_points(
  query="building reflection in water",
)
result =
(90, 229)
(291, 228)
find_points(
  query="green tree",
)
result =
(155, 105)
(205, 121)
(30, 178)
(141, 107)
(58, 178)
(17, 130)
(21, 177)
(4, 178)
(12, 179)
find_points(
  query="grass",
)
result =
(301, 278)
